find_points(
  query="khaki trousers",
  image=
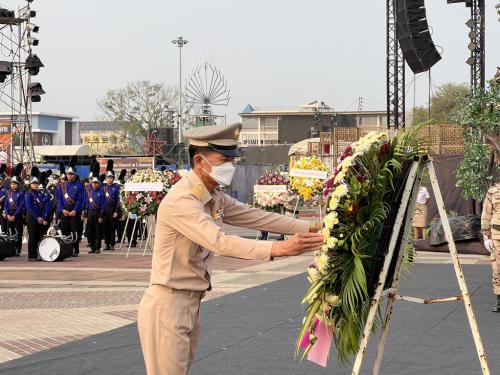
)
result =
(169, 326)
(495, 262)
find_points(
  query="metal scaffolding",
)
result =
(395, 71)
(16, 41)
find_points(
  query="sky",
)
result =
(272, 52)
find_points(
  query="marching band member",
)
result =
(111, 207)
(70, 197)
(13, 211)
(36, 218)
(3, 195)
(94, 214)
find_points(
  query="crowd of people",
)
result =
(87, 208)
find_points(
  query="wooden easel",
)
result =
(404, 218)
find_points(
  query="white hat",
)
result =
(34, 180)
(15, 180)
(95, 179)
(110, 174)
(70, 170)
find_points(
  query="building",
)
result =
(272, 126)
(105, 137)
(48, 128)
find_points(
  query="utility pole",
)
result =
(180, 42)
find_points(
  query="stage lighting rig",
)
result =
(32, 41)
(476, 45)
(32, 27)
(33, 64)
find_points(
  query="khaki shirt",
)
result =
(188, 233)
(491, 210)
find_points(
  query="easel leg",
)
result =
(458, 270)
(133, 231)
(385, 268)
(124, 232)
(150, 225)
(397, 273)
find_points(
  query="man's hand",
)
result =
(488, 244)
(315, 227)
(115, 215)
(72, 213)
(299, 243)
(65, 212)
(100, 220)
(45, 223)
(40, 220)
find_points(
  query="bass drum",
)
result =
(53, 249)
(7, 248)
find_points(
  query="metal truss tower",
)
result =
(17, 65)
(395, 71)
(476, 45)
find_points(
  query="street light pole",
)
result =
(180, 42)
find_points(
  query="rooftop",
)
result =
(102, 126)
(304, 109)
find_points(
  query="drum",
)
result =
(53, 249)
(7, 248)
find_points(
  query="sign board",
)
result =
(309, 173)
(139, 162)
(269, 188)
(143, 186)
(5, 141)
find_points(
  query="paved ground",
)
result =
(252, 332)
(44, 305)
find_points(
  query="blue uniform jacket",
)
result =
(95, 200)
(35, 204)
(75, 196)
(14, 203)
(3, 196)
(112, 196)
(47, 199)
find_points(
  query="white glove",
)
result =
(488, 244)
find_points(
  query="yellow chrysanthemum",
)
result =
(322, 263)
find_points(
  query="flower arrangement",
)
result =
(143, 203)
(172, 177)
(344, 273)
(309, 189)
(269, 200)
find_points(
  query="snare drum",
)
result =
(53, 249)
(7, 248)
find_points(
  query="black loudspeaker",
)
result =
(414, 37)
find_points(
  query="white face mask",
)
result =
(222, 174)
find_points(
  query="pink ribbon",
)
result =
(306, 340)
(321, 348)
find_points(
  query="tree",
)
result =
(143, 106)
(480, 117)
(444, 104)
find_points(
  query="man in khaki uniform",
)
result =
(188, 233)
(490, 226)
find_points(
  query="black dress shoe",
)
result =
(98, 251)
(75, 255)
(107, 248)
(134, 244)
(17, 253)
(112, 248)
(32, 259)
(92, 252)
(496, 308)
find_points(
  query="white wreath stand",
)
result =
(404, 217)
(150, 227)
